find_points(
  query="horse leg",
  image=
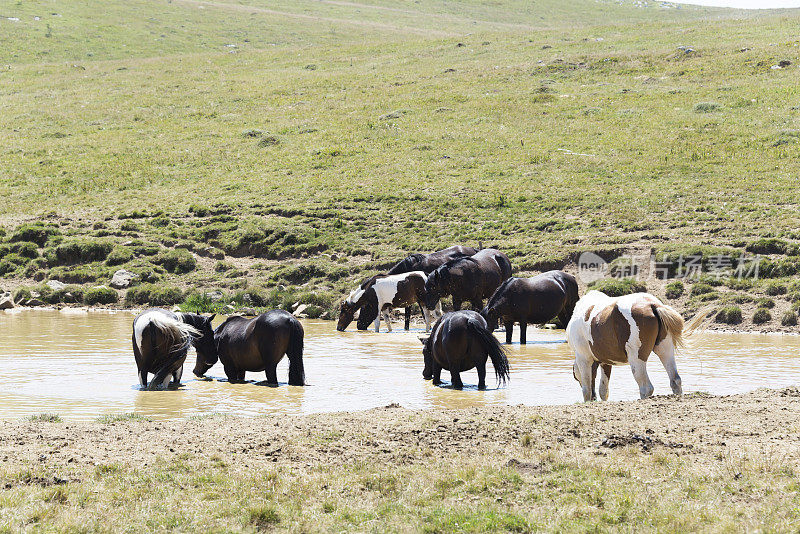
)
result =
(666, 352)
(231, 372)
(605, 376)
(176, 375)
(481, 368)
(143, 378)
(438, 309)
(456, 304)
(523, 332)
(408, 317)
(377, 323)
(272, 373)
(509, 326)
(639, 370)
(455, 379)
(582, 369)
(437, 373)
(388, 319)
(427, 315)
(595, 365)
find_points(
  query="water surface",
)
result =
(80, 365)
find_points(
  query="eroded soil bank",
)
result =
(698, 462)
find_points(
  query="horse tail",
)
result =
(496, 351)
(671, 321)
(297, 374)
(179, 337)
(504, 264)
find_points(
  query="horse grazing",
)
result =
(606, 331)
(471, 278)
(379, 295)
(161, 340)
(258, 344)
(533, 300)
(460, 341)
(428, 263)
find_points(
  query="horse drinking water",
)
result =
(460, 341)
(533, 300)
(379, 295)
(161, 340)
(606, 331)
(258, 344)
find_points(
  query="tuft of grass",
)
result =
(616, 287)
(45, 418)
(707, 107)
(762, 316)
(100, 295)
(674, 289)
(789, 318)
(263, 517)
(775, 288)
(729, 315)
(120, 417)
(154, 295)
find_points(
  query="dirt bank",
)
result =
(697, 462)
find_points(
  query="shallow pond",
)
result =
(80, 365)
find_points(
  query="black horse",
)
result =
(161, 340)
(428, 263)
(533, 300)
(458, 342)
(258, 344)
(471, 279)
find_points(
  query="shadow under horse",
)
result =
(256, 345)
(459, 341)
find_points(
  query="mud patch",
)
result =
(647, 443)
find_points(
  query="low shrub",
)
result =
(765, 302)
(729, 315)
(616, 287)
(789, 319)
(25, 249)
(762, 316)
(12, 263)
(701, 288)
(767, 246)
(154, 294)
(674, 290)
(78, 274)
(774, 288)
(38, 233)
(100, 295)
(83, 251)
(178, 261)
(119, 255)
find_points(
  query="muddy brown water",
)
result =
(80, 365)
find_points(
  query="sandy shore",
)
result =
(729, 462)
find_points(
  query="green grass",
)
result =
(335, 138)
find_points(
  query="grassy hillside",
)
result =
(286, 143)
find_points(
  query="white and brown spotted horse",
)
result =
(606, 331)
(379, 295)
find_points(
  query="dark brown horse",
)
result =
(258, 344)
(379, 295)
(460, 341)
(161, 340)
(468, 279)
(533, 300)
(427, 263)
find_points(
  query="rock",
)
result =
(35, 302)
(299, 310)
(6, 301)
(55, 285)
(215, 296)
(122, 279)
(248, 311)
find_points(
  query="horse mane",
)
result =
(496, 295)
(405, 265)
(369, 282)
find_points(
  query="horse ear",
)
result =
(211, 318)
(424, 340)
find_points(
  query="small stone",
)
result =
(55, 285)
(34, 302)
(6, 301)
(299, 310)
(122, 279)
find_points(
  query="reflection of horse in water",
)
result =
(258, 344)
(460, 341)
(606, 331)
(161, 340)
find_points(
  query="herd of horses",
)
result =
(602, 331)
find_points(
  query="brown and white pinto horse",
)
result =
(606, 331)
(379, 295)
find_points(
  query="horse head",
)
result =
(434, 287)
(203, 344)
(491, 318)
(427, 372)
(346, 313)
